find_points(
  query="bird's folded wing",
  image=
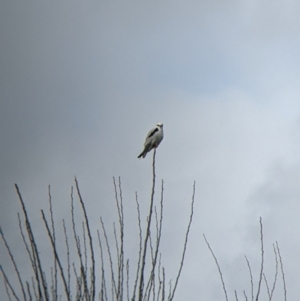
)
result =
(152, 132)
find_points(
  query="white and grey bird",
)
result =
(153, 139)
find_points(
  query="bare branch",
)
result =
(54, 290)
(185, 243)
(14, 264)
(93, 280)
(267, 285)
(25, 242)
(79, 253)
(218, 266)
(276, 273)
(113, 281)
(127, 278)
(56, 257)
(34, 289)
(251, 277)
(28, 291)
(103, 283)
(141, 285)
(36, 257)
(84, 249)
(154, 252)
(8, 285)
(119, 203)
(68, 254)
(262, 259)
(246, 298)
(140, 247)
(282, 271)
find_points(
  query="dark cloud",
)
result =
(81, 84)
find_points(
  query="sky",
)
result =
(82, 83)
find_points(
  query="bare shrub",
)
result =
(77, 273)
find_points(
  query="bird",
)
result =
(153, 139)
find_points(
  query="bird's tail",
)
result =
(145, 151)
(142, 154)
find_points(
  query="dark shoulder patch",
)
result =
(153, 132)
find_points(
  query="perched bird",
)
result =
(153, 139)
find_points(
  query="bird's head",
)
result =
(159, 124)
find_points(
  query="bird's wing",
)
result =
(150, 137)
(152, 132)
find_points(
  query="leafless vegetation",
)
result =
(87, 268)
(256, 293)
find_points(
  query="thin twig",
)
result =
(78, 284)
(28, 291)
(54, 240)
(159, 223)
(267, 285)
(218, 266)
(68, 255)
(141, 285)
(103, 283)
(159, 278)
(127, 278)
(119, 203)
(56, 256)
(34, 289)
(84, 250)
(25, 242)
(116, 243)
(93, 280)
(8, 285)
(14, 264)
(79, 253)
(251, 277)
(262, 259)
(39, 270)
(276, 273)
(113, 281)
(140, 247)
(185, 243)
(282, 272)
(163, 285)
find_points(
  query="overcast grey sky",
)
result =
(82, 82)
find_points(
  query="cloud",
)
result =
(82, 83)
